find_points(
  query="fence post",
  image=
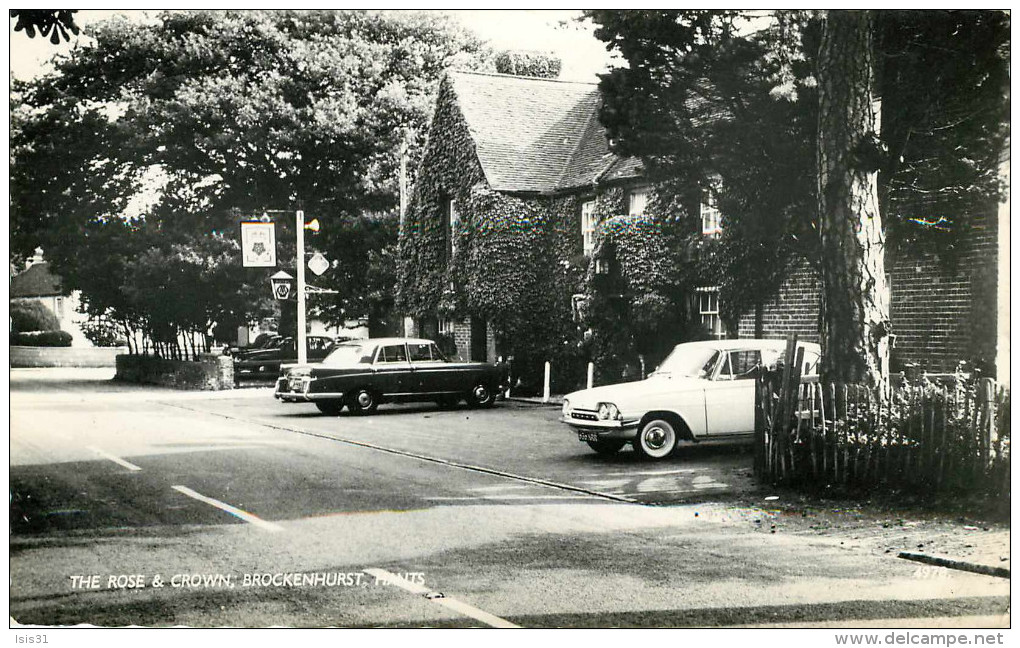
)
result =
(509, 375)
(591, 375)
(988, 433)
(545, 388)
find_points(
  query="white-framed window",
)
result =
(708, 311)
(588, 224)
(445, 326)
(637, 201)
(711, 219)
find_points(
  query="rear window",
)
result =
(350, 354)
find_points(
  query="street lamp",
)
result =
(302, 351)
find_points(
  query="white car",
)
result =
(702, 390)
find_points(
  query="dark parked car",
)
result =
(265, 363)
(361, 374)
(263, 341)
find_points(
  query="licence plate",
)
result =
(587, 436)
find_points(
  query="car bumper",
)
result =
(299, 394)
(620, 430)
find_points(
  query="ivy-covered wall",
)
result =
(640, 297)
(449, 169)
(517, 259)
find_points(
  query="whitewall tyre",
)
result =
(657, 439)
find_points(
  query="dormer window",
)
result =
(588, 224)
(711, 219)
(637, 201)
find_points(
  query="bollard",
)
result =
(591, 375)
(545, 389)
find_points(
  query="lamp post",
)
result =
(302, 352)
(300, 226)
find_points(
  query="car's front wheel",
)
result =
(606, 446)
(657, 439)
(363, 401)
(481, 396)
(330, 408)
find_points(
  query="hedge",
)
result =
(32, 316)
(41, 338)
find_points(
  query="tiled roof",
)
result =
(36, 281)
(533, 135)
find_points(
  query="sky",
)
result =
(582, 55)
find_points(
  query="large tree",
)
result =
(215, 116)
(855, 304)
(734, 96)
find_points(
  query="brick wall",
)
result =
(794, 310)
(462, 336)
(942, 310)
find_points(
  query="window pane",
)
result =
(393, 353)
(742, 363)
(588, 226)
(638, 201)
(420, 352)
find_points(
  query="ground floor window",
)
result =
(446, 326)
(708, 311)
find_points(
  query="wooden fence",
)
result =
(925, 436)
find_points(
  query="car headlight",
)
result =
(608, 411)
(566, 406)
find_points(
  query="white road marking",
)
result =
(506, 497)
(442, 599)
(116, 460)
(233, 510)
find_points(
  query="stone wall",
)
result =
(209, 372)
(26, 356)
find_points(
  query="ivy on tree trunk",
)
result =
(855, 302)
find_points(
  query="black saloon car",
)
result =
(266, 363)
(361, 374)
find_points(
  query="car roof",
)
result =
(741, 343)
(388, 340)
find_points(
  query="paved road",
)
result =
(255, 513)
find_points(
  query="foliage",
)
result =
(103, 332)
(41, 338)
(728, 113)
(54, 23)
(213, 117)
(32, 315)
(531, 64)
(944, 82)
(727, 100)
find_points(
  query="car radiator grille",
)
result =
(584, 416)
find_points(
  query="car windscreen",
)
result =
(691, 361)
(350, 354)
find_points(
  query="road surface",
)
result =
(149, 507)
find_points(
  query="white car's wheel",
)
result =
(656, 440)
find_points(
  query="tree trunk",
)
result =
(855, 300)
